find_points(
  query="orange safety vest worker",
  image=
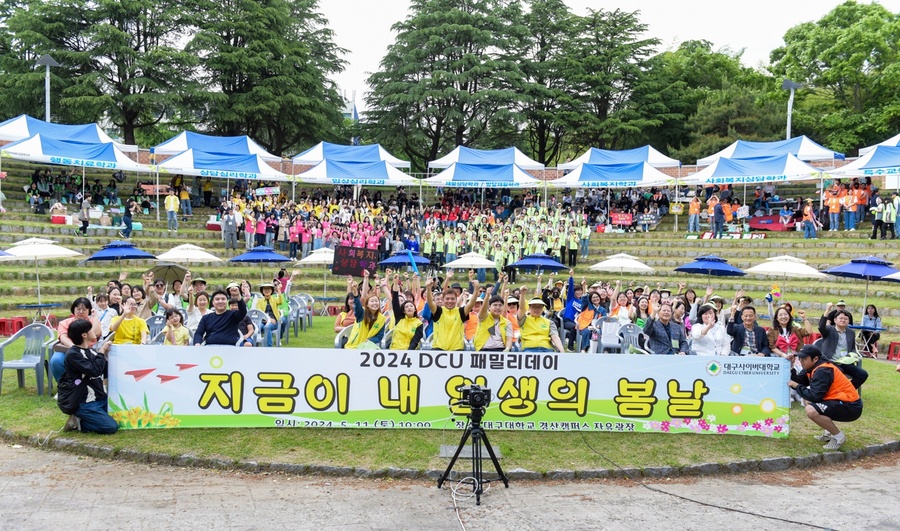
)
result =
(808, 214)
(849, 202)
(694, 207)
(834, 204)
(841, 387)
(726, 207)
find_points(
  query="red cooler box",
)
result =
(58, 219)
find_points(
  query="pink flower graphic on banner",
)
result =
(757, 426)
(676, 423)
(782, 420)
(664, 426)
(721, 428)
(769, 422)
(704, 425)
(687, 422)
(778, 428)
(768, 430)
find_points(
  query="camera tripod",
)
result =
(474, 430)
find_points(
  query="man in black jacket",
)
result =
(747, 337)
(85, 369)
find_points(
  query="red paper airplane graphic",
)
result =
(139, 374)
(163, 378)
(185, 366)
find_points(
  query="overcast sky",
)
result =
(363, 27)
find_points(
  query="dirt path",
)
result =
(49, 490)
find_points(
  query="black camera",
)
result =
(475, 396)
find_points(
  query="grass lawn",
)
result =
(23, 412)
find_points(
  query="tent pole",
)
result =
(37, 274)
(82, 182)
(676, 198)
(293, 184)
(157, 195)
(1, 186)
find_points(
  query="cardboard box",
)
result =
(105, 221)
(59, 211)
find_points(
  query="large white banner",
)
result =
(221, 386)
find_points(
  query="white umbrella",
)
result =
(785, 267)
(38, 249)
(471, 261)
(323, 256)
(622, 263)
(188, 254)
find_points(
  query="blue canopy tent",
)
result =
(375, 173)
(625, 156)
(894, 141)
(539, 262)
(402, 258)
(232, 145)
(24, 126)
(494, 157)
(758, 170)
(105, 155)
(326, 151)
(880, 161)
(631, 175)
(801, 147)
(481, 176)
(865, 268)
(711, 266)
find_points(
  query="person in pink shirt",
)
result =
(249, 230)
(305, 240)
(372, 240)
(294, 237)
(317, 237)
(345, 239)
(359, 241)
(260, 229)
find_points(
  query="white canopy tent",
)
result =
(233, 145)
(221, 165)
(637, 175)
(801, 147)
(894, 141)
(24, 126)
(338, 153)
(725, 171)
(377, 173)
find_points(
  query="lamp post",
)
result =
(46, 61)
(790, 85)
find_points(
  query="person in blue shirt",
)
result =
(574, 304)
(871, 337)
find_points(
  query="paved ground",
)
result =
(49, 490)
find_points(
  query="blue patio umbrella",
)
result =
(404, 258)
(119, 250)
(866, 268)
(538, 261)
(711, 266)
(260, 255)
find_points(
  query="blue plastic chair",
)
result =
(38, 339)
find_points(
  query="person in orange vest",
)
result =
(726, 206)
(828, 394)
(809, 220)
(848, 201)
(862, 201)
(711, 210)
(833, 202)
(694, 215)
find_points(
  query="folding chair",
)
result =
(38, 339)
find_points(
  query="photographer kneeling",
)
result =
(81, 393)
(828, 394)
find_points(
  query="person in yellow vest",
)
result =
(370, 322)
(449, 320)
(538, 333)
(829, 396)
(495, 332)
(270, 304)
(408, 328)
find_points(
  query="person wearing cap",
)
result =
(552, 296)
(539, 334)
(809, 220)
(270, 304)
(449, 320)
(163, 301)
(664, 334)
(877, 211)
(828, 395)
(747, 337)
(839, 344)
(708, 335)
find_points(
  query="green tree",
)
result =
(266, 65)
(121, 59)
(608, 62)
(849, 61)
(546, 93)
(448, 79)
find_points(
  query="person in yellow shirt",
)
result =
(129, 328)
(449, 320)
(175, 332)
(172, 204)
(270, 304)
(539, 334)
(494, 332)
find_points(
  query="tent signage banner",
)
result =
(747, 179)
(66, 161)
(221, 386)
(268, 190)
(231, 174)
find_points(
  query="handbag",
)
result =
(71, 394)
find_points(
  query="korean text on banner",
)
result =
(153, 387)
(352, 261)
(618, 218)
